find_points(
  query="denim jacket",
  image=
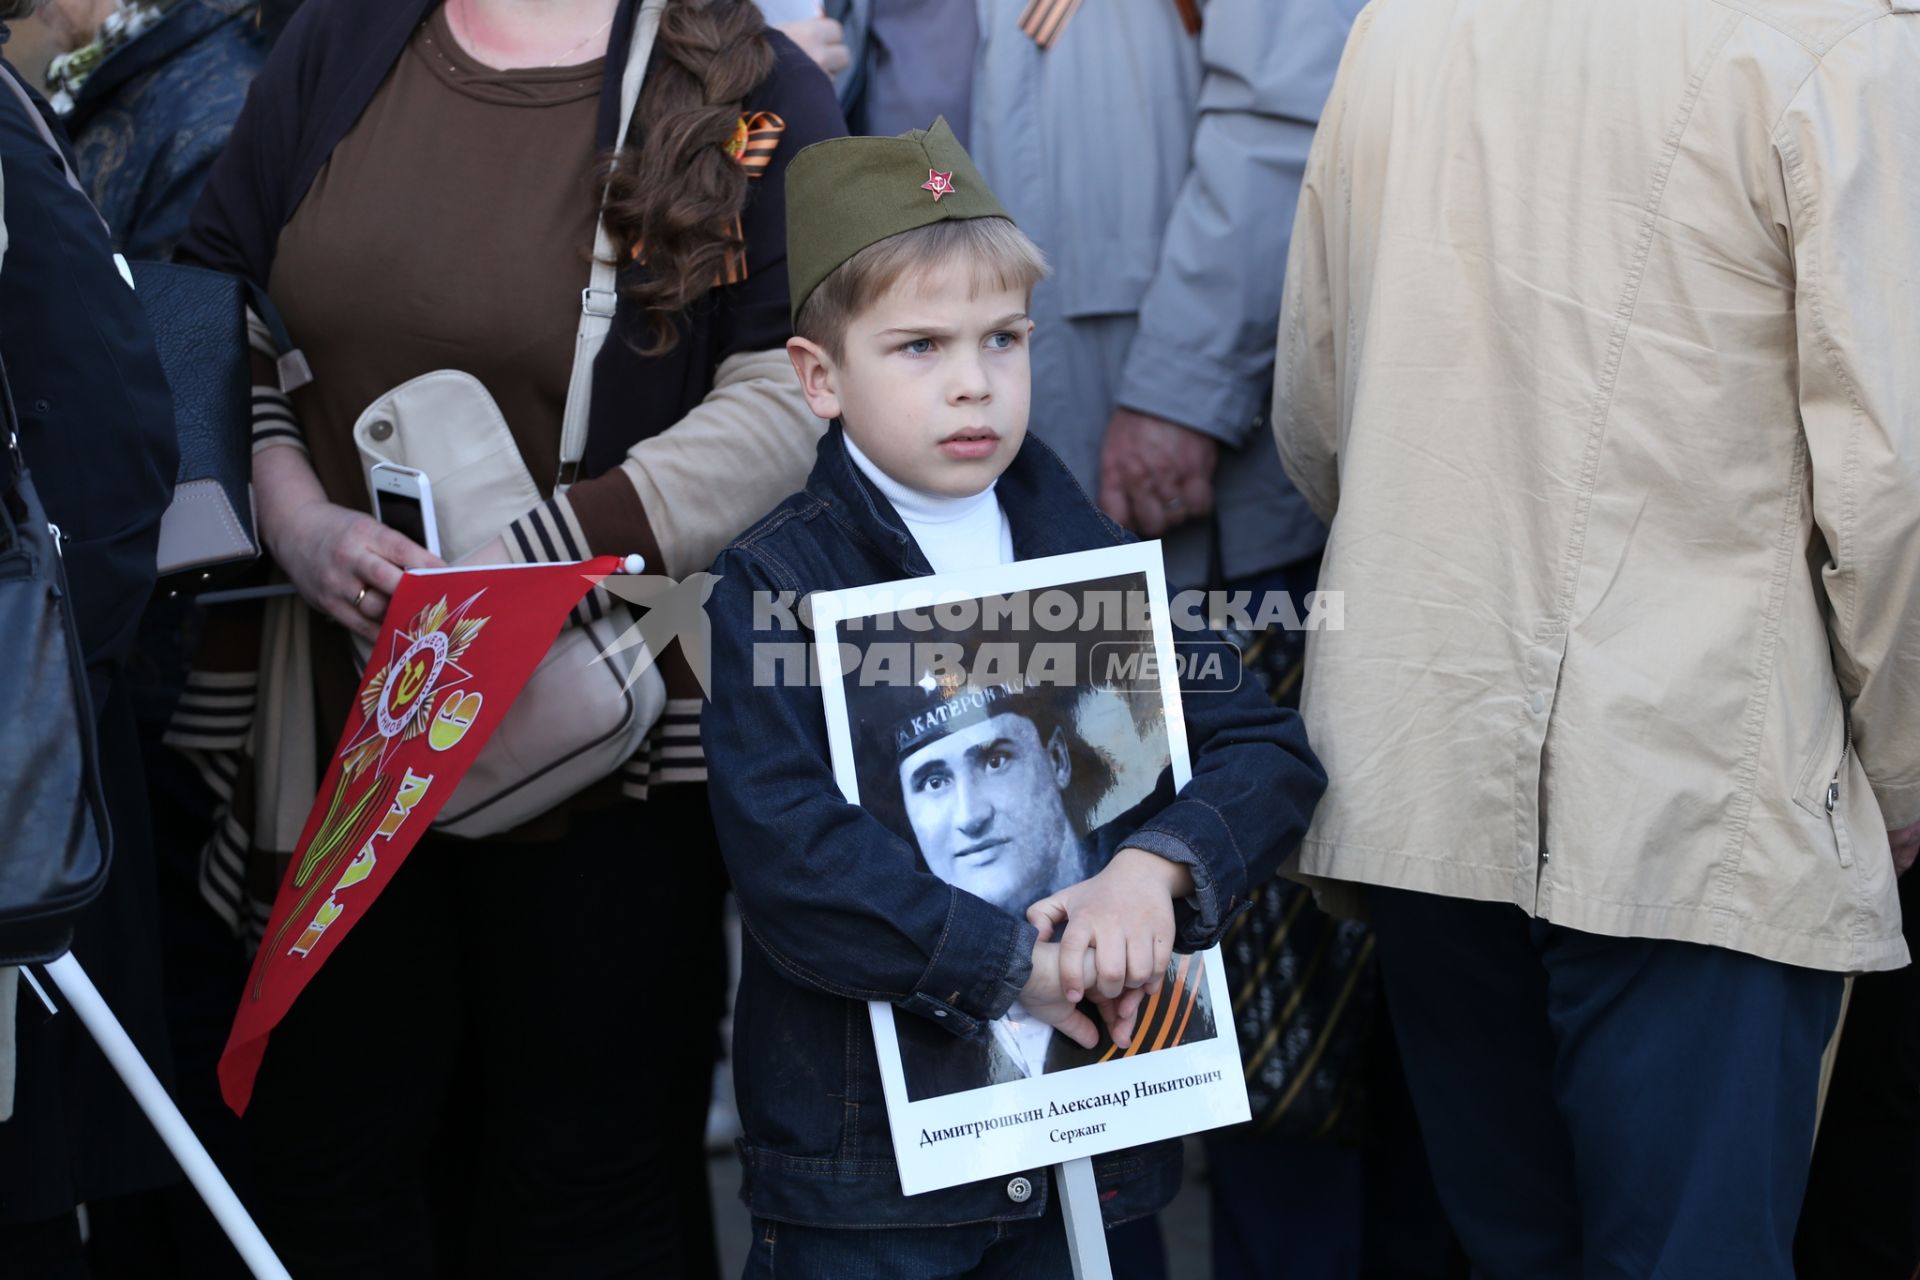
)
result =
(839, 911)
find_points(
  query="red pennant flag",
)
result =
(452, 655)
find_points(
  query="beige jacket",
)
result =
(1602, 336)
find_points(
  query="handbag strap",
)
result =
(599, 299)
(16, 461)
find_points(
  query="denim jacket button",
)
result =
(1019, 1191)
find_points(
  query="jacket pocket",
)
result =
(1818, 789)
(1821, 768)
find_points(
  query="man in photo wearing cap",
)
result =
(911, 288)
(984, 791)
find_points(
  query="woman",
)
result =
(505, 1071)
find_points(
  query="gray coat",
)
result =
(1159, 172)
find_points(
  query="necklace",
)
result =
(598, 31)
(468, 37)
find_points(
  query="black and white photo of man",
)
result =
(998, 787)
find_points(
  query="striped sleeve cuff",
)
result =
(273, 420)
(214, 714)
(551, 532)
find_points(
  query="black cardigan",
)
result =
(323, 72)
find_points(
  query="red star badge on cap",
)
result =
(941, 184)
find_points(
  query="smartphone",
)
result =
(403, 500)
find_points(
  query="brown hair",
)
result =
(998, 254)
(680, 193)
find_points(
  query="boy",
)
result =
(910, 288)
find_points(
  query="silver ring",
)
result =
(1174, 504)
(362, 596)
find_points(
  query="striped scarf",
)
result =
(755, 139)
(1044, 20)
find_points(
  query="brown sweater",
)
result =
(452, 229)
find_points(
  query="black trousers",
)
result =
(504, 1070)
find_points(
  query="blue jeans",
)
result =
(1602, 1108)
(1034, 1249)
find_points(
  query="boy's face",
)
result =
(934, 382)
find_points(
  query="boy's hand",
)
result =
(1121, 1015)
(1043, 999)
(1125, 914)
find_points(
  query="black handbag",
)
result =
(54, 836)
(199, 323)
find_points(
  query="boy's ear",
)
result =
(815, 370)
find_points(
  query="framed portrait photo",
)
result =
(1015, 725)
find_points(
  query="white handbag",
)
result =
(579, 717)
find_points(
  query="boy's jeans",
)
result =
(1035, 1249)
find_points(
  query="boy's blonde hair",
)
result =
(999, 254)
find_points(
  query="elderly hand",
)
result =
(1155, 474)
(1125, 915)
(822, 40)
(1906, 844)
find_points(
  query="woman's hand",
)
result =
(347, 564)
(1125, 915)
(344, 563)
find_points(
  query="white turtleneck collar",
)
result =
(955, 533)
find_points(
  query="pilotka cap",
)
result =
(847, 193)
